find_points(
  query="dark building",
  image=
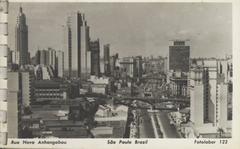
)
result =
(139, 68)
(37, 57)
(41, 57)
(95, 57)
(107, 59)
(206, 95)
(179, 55)
(113, 67)
(21, 35)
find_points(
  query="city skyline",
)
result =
(144, 29)
(124, 93)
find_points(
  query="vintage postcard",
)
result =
(119, 74)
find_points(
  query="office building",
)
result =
(21, 38)
(46, 57)
(95, 57)
(14, 105)
(77, 46)
(178, 82)
(128, 66)
(51, 56)
(60, 64)
(210, 94)
(178, 69)
(37, 57)
(139, 67)
(27, 79)
(112, 64)
(196, 96)
(85, 49)
(50, 90)
(106, 57)
(179, 55)
(43, 57)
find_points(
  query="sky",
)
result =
(132, 28)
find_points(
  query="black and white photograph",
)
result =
(126, 70)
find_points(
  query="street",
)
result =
(168, 130)
(146, 127)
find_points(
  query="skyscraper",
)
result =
(21, 38)
(85, 50)
(46, 57)
(106, 58)
(209, 93)
(26, 87)
(14, 105)
(95, 57)
(139, 69)
(60, 63)
(51, 57)
(179, 55)
(77, 46)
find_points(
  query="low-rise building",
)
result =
(99, 88)
(114, 123)
(50, 90)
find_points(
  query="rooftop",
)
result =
(47, 84)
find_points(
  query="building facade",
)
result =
(95, 57)
(77, 40)
(27, 79)
(106, 57)
(179, 61)
(46, 57)
(14, 105)
(139, 67)
(50, 90)
(60, 64)
(179, 55)
(210, 93)
(21, 38)
(51, 56)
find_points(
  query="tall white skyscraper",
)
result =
(77, 46)
(85, 50)
(209, 85)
